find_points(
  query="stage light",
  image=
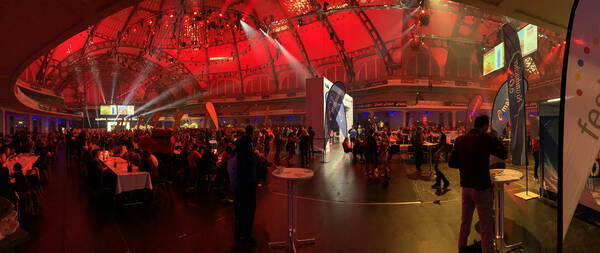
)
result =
(220, 14)
(422, 11)
(289, 117)
(150, 21)
(171, 15)
(195, 13)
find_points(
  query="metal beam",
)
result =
(237, 57)
(379, 44)
(346, 60)
(126, 24)
(299, 42)
(89, 38)
(271, 60)
(151, 40)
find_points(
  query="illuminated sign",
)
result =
(126, 109)
(494, 58)
(108, 110)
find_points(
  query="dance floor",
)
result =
(338, 207)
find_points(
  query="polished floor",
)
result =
(338, 207)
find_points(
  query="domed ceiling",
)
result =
(173, 50)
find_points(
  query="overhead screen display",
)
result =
(494, 58)
(108, 110)
(125, 109)
(117, 109)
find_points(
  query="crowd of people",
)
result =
(235, 162)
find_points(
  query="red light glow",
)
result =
(579, 42)
(171, 16)
(195, 13)
(422, 11)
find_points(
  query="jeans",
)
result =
(482, 200)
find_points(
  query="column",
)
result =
(30, 123)
(55, 124)
(3, 122)
(454, 119)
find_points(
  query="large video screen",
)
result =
(494, 58)
(528, 39)
(108, 110)
(126, 109)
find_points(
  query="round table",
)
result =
(292, 176)
(500, 177)
(430, 147)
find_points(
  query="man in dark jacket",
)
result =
(371, 154)
(472, 153)
(245, 190)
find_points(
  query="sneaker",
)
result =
(446, 185)
(435, 186)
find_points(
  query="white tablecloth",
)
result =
(128, 181)
(26, 160)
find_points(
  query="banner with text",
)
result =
(581, 97)
(516, 94)
(500, 109)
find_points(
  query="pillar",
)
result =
(3, 122)
(454, 119)
(404, 119)
(55, 124)
(67, 123)
(30, 123)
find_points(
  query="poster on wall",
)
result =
(333, 101)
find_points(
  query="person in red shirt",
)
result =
(472, 157)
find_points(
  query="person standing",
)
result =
(278, 144)
(535, 145)
(371, 154)
(291, 148)
(304, 148)
(311, 140)
(417, 142)
(245, 188)
(472, 155)
(442, 149)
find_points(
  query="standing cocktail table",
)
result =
(499, 178)
(292, 176)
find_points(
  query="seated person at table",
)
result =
(119, 150)
(20, 184)
(6, 154)
(6, 189)
(150, 164)
(95, 168)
